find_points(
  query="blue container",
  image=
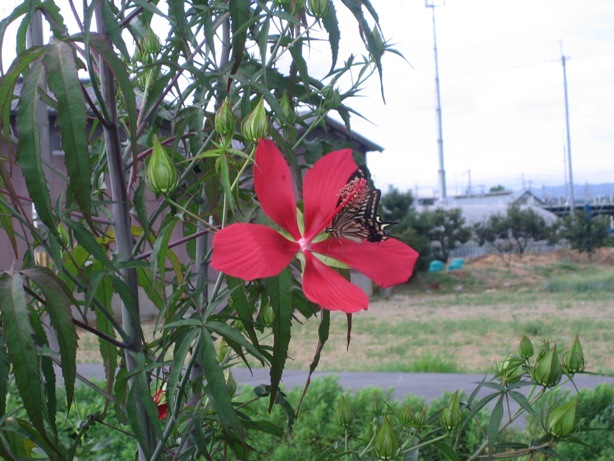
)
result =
(436, 266)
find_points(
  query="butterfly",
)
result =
(359, 220)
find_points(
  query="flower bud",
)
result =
(151, 43)
(410, 419)
(331, 97)
(562, 419)
(450, 416)
(319, 8)
(231, 383)
(573, 359)
(386, 440)
(159, 399)
(344, 413)
(225, 120)
(526, 349)
(267, 314)
(256, 125)
(64, 235)
(287, 109)
(548, 370)
(161, 173)
(377, 405)
(510, 370)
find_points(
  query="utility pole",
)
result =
(442, 172)
(569, 168)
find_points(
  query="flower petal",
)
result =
(326, 287)
(251, 251)
(387, 263)
(321, 189)
(274, 188)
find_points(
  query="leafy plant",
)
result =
(585, 231)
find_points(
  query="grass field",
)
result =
(465, 321)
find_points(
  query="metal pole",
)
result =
(442, 172)
(571, 192)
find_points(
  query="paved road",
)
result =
(426, 385)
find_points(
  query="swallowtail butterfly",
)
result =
(359, 220)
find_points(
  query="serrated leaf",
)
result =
(331, 25)
(180, 352)
(280, 294)
(58, 307)
(22, 349)
(244, 309)
(7, 224)
(216, 385)
(115, 34)
(522, 401)
(29, 156)
(63, 81)
(323, 331)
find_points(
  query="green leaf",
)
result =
(22, 349)
(183, 346)
(115, 34)
(245, 310)
(8, 81)
(103, 289)
(7, 224)
(139, 394)
(494, 423)
(239, 17)
(216, 385)
(323, 331)
(63, 81)
(88, 241)
(231, 334)
(58, 307)
(280, 293)
(29, 156)
(331, 25)
(4, 374)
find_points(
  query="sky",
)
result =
(502, 93)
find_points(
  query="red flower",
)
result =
(252, 251)
(159, 399)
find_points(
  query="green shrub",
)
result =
(594, 423)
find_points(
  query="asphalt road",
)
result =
(426, 385)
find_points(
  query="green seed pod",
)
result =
(318, 8)
(573, 359)
(161, 172)
(386, 440)
(450, 416)
(267, 314)
(256, 125)
(562, 420)
(225, 120)
(526, 349)
(344, 413)
(548, 371)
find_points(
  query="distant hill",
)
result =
(587, 192)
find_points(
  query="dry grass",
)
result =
(462, 321)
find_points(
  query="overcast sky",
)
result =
(502, 93)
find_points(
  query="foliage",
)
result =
(585, 231)
(445, 229)
(158, 107)
(510, 234)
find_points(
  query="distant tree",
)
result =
(397, 207)
(510, 234)
(445, 229)
(498, 188)
(585, 231)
